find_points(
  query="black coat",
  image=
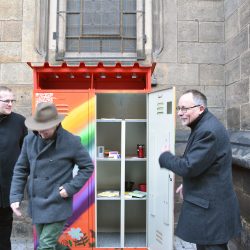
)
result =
(46, 168)
(210, 211)
(12, 133)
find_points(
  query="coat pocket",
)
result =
(197, 201)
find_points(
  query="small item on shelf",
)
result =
(109, 193)
(140, 150)
(100, 151)
(128, 195)
(129, 185)
(143, 187)
(106, 152)
(138, 194)
(114, 154)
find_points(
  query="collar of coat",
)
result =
(196, 121)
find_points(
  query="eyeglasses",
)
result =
(8, 101)
(185, 109)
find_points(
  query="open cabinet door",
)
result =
(161, 131)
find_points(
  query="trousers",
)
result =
(6, 219)
(212, 247)
(48, 235)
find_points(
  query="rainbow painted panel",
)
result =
(79, 229)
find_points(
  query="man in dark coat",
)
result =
(12, 133)
(210, 212)
(47, 160)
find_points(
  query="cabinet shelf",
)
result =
(135, 120)
(134, 158)
(109, 120)
(136, 199)
(109, 198)
(108, 159)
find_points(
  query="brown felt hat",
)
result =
(45, 117)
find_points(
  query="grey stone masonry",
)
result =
(232, 26)
(245, 64)
(230, 6)
(11, 9)
(211, 32)
(232, 71)
(10, 51)
(201, 52)
(237, 45)
(216, 96)
(188, 31)
(233, 118)
(240, 148)
(15, 73)
(182, 74)
(211, 74)
(245, 117)
(11, 31)
(244, 11)
(237, 93)
(201, 10)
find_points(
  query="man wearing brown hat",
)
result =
(47, 159)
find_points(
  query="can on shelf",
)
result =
(140, 150)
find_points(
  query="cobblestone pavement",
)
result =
(22, 244)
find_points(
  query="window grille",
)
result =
(101, 29)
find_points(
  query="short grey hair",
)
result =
(198, 97)
(4, 88)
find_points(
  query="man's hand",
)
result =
(179, 190)
(16, 208)
(63, 192)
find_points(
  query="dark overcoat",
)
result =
(47, 167)
(210, 211)
(12, 133)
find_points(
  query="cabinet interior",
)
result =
(121, 125)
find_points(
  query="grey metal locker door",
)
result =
(161, 131)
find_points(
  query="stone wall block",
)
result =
(211, 32)
(211, 74)
(230, 6)
(182, 74)
(169, 53)
(245, 65)
(10, 52)
(1, 30)
(16, 73)
(233, 118)
(237, 45)
(11, 31)
(23, 95)
(242, 2)
(237, 93)
(11, 9)
(215, 96)
(188, 31)
(232, 26)
(29, 33)
(201, 10)
(232, 71)
(244, 14)
(245, 117)
(201, 52)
